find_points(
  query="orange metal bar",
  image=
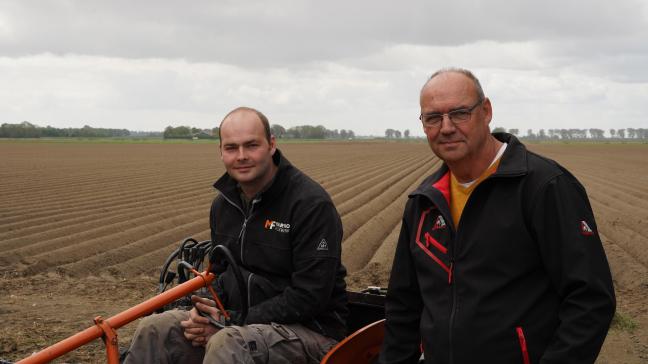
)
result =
(65, 346)
(110, 340)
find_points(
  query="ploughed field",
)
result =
(85, 227)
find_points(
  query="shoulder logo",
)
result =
(323, 245)
(281, 227)
(439, 223)
(585, 229)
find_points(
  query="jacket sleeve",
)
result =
(403, 307)
(316, 258)
(573, 255)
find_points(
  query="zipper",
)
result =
(246, 218)
(453, 309)
(242, 235)
(249, 286)
(453, 285)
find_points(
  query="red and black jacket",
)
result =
(522, 279)
(289, 245)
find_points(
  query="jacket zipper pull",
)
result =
(450, 272)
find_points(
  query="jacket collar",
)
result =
(228, 186)
(513, 163)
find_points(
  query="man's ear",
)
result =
(488, 110)
(273, 144)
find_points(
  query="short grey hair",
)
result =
(463, 71)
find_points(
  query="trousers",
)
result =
(159, 339)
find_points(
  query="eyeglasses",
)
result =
(458, 116)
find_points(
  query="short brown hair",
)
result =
(463, 71)
(263, 118)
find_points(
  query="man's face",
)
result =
(455, 143)
(245, 151)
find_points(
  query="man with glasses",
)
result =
(499, 258)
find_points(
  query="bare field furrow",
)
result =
(384, 255)
(628, 272)
(361, 246)
(629, 240)
(134, 248)
(356, 196)
(98, 196)
(358, 217)
(88, 248)
(636, 213)
(86, 183)
(336, 182)
(92, 226)
(342, 185)
(627, 192)
(65, 249)
(60, 218)
(143, 263)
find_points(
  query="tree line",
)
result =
(295, 132)
(579, 134)
(310, 132)
(29, 130)
(396, 134)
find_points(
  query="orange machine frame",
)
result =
(106, 328)
(360, 347)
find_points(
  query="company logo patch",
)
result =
(277, 226)
(323, 245)
(586, 229)
(439, 223)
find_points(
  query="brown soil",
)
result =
(84, 228)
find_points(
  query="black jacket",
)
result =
(524, 278)
(289, 244)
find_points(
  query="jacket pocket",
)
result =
(523, 345)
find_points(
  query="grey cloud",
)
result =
(289, 32)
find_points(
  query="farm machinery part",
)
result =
(175, 287)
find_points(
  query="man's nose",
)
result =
(447, 126)
(241, 153)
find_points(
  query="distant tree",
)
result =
(530, 134)
(514, 131)
(277, 130)
(389, 133)
(541, 134)
(499, 130)
(215, 132)
(180, 132)
(406, 133)
(397, 134)
(350, 134)
(596, 133)
(612, 133)
(22, 130)
(632, 133)
(621, 133)
(343, 134)
(642, 133)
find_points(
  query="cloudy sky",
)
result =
(143, 65)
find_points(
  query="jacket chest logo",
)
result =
(277, 226)
(585, 229)
(428, 243)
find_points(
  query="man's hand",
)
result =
(197, 328)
